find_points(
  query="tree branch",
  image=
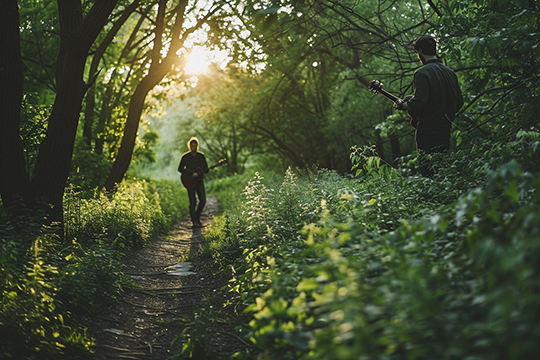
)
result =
(435, 8)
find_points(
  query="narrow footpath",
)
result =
(167, 286)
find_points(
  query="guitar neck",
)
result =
(221, 162)
(387, 95)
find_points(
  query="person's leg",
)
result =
(192, 204)
(430, 143)
(423, 146)
(201, 194)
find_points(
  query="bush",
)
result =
(127, 218)
(101, 229)
(172, 199)
(31, 324)
(43, 290)
(226, 189)
(90, 281)
(391, 266)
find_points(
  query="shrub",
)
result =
(127, 218)
(173, 199)
(90, 281)
(43, 290)
(31, 324)
(424, 290)
(101, 229)
(392, 265)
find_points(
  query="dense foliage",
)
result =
(388, 265)
(47, 291)
(384, 264)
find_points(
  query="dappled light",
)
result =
(326, 226)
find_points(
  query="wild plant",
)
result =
(127, 218)
(198, 337)
(79, 273)
(457, 281)
(32, 323)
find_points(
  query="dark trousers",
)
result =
(430, 142)
(195, 192)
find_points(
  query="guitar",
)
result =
(376, 87)
(189, 181)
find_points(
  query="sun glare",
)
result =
(200, 58)
(198, 61)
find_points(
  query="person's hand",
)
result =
(400, 104)
(195, 175)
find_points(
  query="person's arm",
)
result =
(421, 94)
(182, 166)
(200, 160)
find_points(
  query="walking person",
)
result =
(193, 166)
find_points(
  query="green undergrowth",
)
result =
(49, 289)
(226, 189)
(389, 265)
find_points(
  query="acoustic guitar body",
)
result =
(189, 181)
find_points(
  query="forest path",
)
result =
(167, 287)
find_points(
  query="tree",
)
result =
(96, 59)
(302, 58)
(78, 30)
(304, 65)
(495, 45)
(14, 182)
(224, 100)
(170, 32)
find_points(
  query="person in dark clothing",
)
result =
(193, 166)
(436, 101)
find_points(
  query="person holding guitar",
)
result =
(193, 166)
(436, 100)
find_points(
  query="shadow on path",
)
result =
(166, 287)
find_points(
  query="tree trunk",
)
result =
(158, 69)
(395, 146)
(54, 158)
(233, 163)
(136, 106)
(89, 112)
(15, 184)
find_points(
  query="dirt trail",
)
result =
(167, 288)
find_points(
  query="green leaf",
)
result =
(512, 191)
(307, 284)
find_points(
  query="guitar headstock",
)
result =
(375, 86)
(221, 162)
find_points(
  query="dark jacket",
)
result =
(437, 94)
(190, 163)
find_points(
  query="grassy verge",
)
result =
(46, 289)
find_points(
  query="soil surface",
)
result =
(170, 283)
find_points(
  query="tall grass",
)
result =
(44, 289)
